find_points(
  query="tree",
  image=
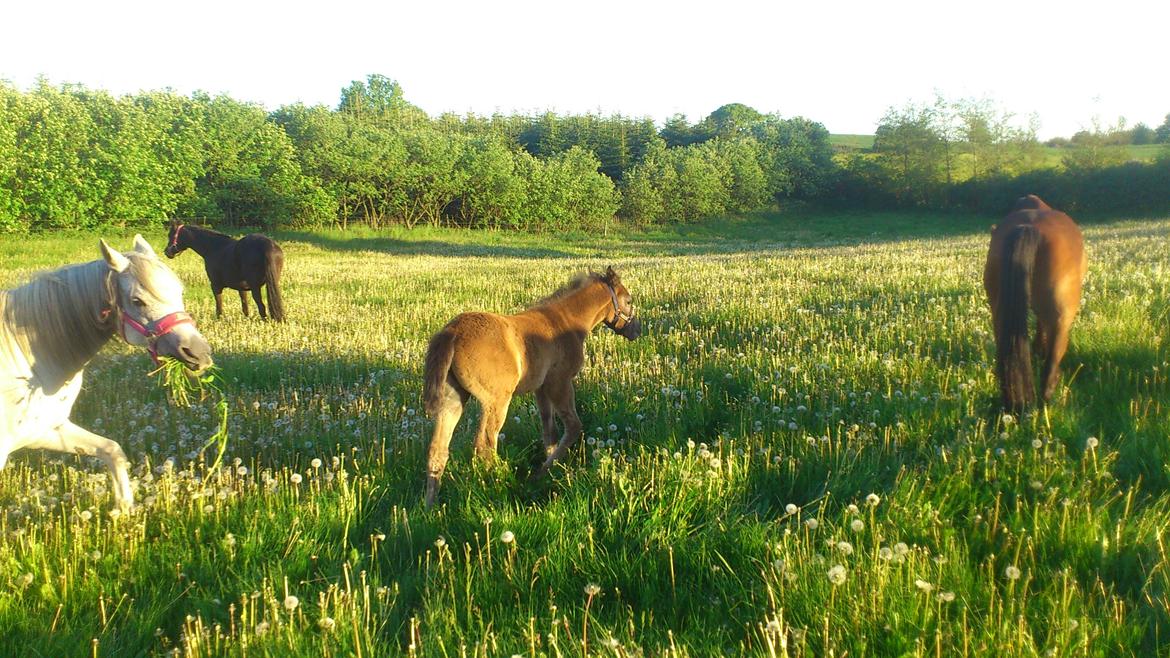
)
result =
(912, 151)
(1162, 132)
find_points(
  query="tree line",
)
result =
(72, 157)
(75, 157)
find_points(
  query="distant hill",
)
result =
(851, 142)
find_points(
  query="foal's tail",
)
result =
(1013, 354)
(273, 263)
(440, 353)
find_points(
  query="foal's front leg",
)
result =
(244, 302)
(548, 421)
(564, 402)
(70, 438)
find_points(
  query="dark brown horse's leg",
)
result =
(565, 404)
(1052, 358)
(494, 414)
(548, 421)
(218, 292)
(260, 308)
(446, 417)
(244, 302)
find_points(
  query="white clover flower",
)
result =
(291, 602)
(837, 574)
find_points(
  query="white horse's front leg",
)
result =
(70, 438)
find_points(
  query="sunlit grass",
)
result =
(801, 456)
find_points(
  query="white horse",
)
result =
(51, 327)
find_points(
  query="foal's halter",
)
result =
(618, 314)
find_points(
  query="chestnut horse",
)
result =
(244, 265)
(1036, 259)
(495, 357)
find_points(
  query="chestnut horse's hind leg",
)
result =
(1056, 349)
(446, 417)
(494, 414)
(563, 401)
(244, 302)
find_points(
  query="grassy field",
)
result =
(802, 456)
(1053, 157)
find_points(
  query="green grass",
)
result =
(810, 391)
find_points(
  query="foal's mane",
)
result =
(577, 282)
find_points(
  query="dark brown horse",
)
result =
(494, 357)
(244, 265)
(1036, 260)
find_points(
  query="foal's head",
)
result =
(150, 299)
(621, 317)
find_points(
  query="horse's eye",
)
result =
(137, 301)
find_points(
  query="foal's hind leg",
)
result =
(563, 401)
(446, 417)
(218, 293)
(244, 302)
(495, 412)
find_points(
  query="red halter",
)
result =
(155, 330)
(175, 237)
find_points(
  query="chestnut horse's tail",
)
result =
(273, 264)
(1013, 353)
(440, 353)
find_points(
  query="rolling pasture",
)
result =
(802, 456)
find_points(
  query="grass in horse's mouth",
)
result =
(183, 386)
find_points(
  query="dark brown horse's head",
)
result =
(1030, 202)
(175, 240)
(621, 317)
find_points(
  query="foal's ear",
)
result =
(143, 247)
(611, 275)
(113, 257)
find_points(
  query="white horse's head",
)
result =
(150, 301)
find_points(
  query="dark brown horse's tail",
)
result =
(440, 353)
(273, 263)
(1013, 353)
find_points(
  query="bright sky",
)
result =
(837, 62)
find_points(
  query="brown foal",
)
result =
(495, 357)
